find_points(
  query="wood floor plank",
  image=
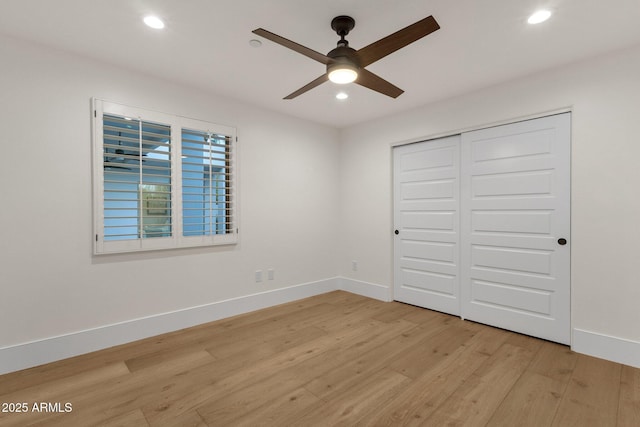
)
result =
(42, 374)
(475, 403)
(160, 358)
(592, 396)
(347, 407)
(179, 401)
(493, 338)
(555, 361)
(535, 398)
(133, 419)
(356, 368)
(532, 402)
(420, 316)
(173, 396)
(67, 384)
(431, 350)
(95, 403)
(237, 327)
(417, 402)
(184, 419)
(524, 341)
(59, 390)
(282, 411)
(225, 407)
(204, 379)
(352, 314)
(629, 408)
(394, 311)
(249, 335)
(266, 345)
(315, 370)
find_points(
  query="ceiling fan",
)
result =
(346, 65)
(115, 158)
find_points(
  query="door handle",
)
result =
(562, 241)
(396, 232)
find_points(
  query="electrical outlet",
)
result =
(258, 276)
(270, 273)
(354, 265)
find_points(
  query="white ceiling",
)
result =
(206, 44)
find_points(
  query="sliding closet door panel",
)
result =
(426, 218)
(515, 206)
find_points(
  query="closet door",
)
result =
(515, 223)
(426, 209)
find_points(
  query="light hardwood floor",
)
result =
(334, 359)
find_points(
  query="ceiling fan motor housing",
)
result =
(343, 56)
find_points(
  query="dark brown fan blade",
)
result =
(317, 82)
(293, 46)
(383, 47)
(369, 80)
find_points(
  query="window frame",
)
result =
(176, 239)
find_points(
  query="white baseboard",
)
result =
(371, 290)
(27, 355)
(606, 347)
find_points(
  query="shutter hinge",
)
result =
(236, 139)
(95, 113)
(96, 237)
(237, 230)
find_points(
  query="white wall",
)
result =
(51, 284)
(604, 96)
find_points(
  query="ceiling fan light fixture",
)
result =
(343, 74)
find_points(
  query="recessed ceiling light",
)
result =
(539, 16)
(255, 43)
(342, 95)
(154, 22)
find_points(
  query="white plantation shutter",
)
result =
(161, 181)
(137, 179)
(206, 183)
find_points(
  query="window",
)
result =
(161, 181)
